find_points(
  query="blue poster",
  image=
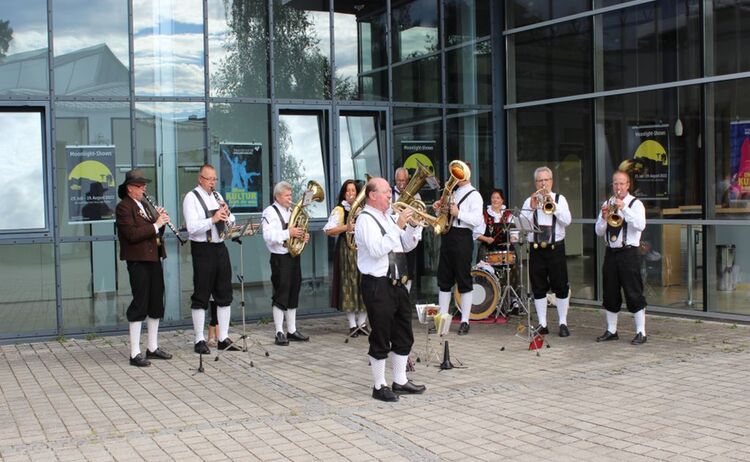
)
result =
(240, 179)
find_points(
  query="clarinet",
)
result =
(171, 226)
(226, 222)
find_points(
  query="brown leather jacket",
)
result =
(138, 239)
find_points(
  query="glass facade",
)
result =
(331, 90)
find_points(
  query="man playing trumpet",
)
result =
(286, 273)
(548, 267)
(622, 267)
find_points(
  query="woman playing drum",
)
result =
(498, 218)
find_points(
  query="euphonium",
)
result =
(545, 201)
(614, 219)
(299, 217)
(459, 171)
(354, 213)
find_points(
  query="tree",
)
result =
(6, 36)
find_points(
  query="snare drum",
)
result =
(486, 292)
(500, 258)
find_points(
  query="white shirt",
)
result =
(470, 212)
(195, 217)
(373, 247)
(634, 216)
(273, 232)
(562, 212)
(144, 214)
(336, 218)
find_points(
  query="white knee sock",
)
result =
(199, 319)
(352, 318)
(466, 300)
(361, 318)
(640, 321)
(291, 320)
(278, 319)
(223, 313)
(611, 322)
(398, 363)
(444, 300)
(378, 372)
(562, 310)
(153, 333)
(541, 311)
(135, 338)
(408, 285)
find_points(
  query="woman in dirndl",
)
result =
(345, 294)
(496, 217)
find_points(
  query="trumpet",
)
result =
(614, 219)
(419, 217)
(169, 223)
(544, 201)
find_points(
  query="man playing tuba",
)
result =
(286, 273)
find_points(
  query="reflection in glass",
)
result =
(168, 47)
(523, 12)
(728, 272)
(415, 29)
(238, 48)
(360, 139)
(466, 20)
(731, 36)
(27, 288)
(469, 138)
(667, 170)
(89, 124)
(469, 74)
(22, 156)
(732, 145)
(652, 43)
(302, 49)
(552, 61)
(91, 47)
(302, 156)
(418, 81)
(23, 48)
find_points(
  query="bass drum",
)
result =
(486, 293)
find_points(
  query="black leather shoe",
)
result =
(607, 336)
(639, 339)
(384, 394)
(353, 332)
(139, 361)
(158, 353)
(226, 343)
(281, 339)
(202, 348)
(564, 332)
(297, 337)
(542, 330)
(463, 329)
(409, 388)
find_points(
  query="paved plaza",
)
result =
(683, 396)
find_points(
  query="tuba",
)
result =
(459, 171)
(544, 201)
(614, 219)
(299, 217)
(354, 212)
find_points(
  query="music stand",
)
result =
(235, 234)
(509, 294)
(426, 316)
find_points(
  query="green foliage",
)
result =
(6, 36)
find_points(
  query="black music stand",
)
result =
(236, 233)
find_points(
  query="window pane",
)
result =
(23, 48)
(731, 36)
(360, 46)
(90, 124)
(646, 44)
(238, 48)
(302, 156)
(470, 138)
(732, 147)
(728, 272)
(22, 154)
(466, 20)
(415, 29)
(469, 79)
(667, 170)
(417, 81)
(27, 288)
(302, 49)
(553, 61)
(361, 137)
(523, 12)
(168, 46)
(91, 48)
